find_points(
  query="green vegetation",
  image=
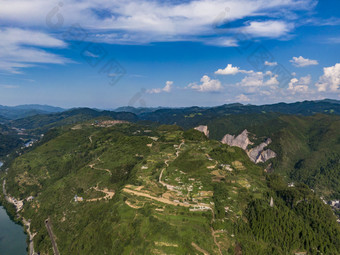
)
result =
(146, 190)
(298, 221)
(42, 123)
(9, 140)
(308, 148)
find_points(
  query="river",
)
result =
(12, 236)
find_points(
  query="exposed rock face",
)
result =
(241, 140)
(203, 129)
(265, 156)
(257, 154)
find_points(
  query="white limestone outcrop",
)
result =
(203, 129)
(257, 154)
(241, 140)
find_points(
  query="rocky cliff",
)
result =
(203, 129)
(241, 140)
(257, 154)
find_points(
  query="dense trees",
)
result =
(298, 221)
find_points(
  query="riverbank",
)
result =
(12, 235)
(26, 224)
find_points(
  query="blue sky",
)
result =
(107, 54)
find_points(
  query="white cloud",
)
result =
(167, 88)
(242, 98)
(223, 42)
(334, 40)
(332, 21)
(207, 85)
(9, 86)
(150, 21)
(259, 79)
(272, 81)
(134, 22)
(330, 80)
(299, 85)
(302, 62)
(253, 80)
(18, 49)
(271, 29)
(270, 63)
(229, 70)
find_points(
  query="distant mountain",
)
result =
(138, 110)
(44, 122)
(191, 116)
(3, 119)
(185, 117)
(45, 108)
(22, 111)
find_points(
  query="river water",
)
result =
(12, 236)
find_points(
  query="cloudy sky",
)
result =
(110, 53)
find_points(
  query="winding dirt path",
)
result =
(167, 201)
(159, 199)
(108, 195)
(101, 169)
(213, 232)
(200, 249)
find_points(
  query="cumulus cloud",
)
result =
(259, 79)
(167, 88)
(207, 85)
(330, 80)
(231, 70)
(299, 85)
(302, 62)
(270, 63)
(18, 49)
(272, 81)
(242, 98)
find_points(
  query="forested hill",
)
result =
(188, 117)
(307, 147)
(185, 117)
(44, 122)
(135, 189)
(21, 111)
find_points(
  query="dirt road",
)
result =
(159, 199)
(49, 230)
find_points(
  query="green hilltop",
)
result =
(111, 187)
